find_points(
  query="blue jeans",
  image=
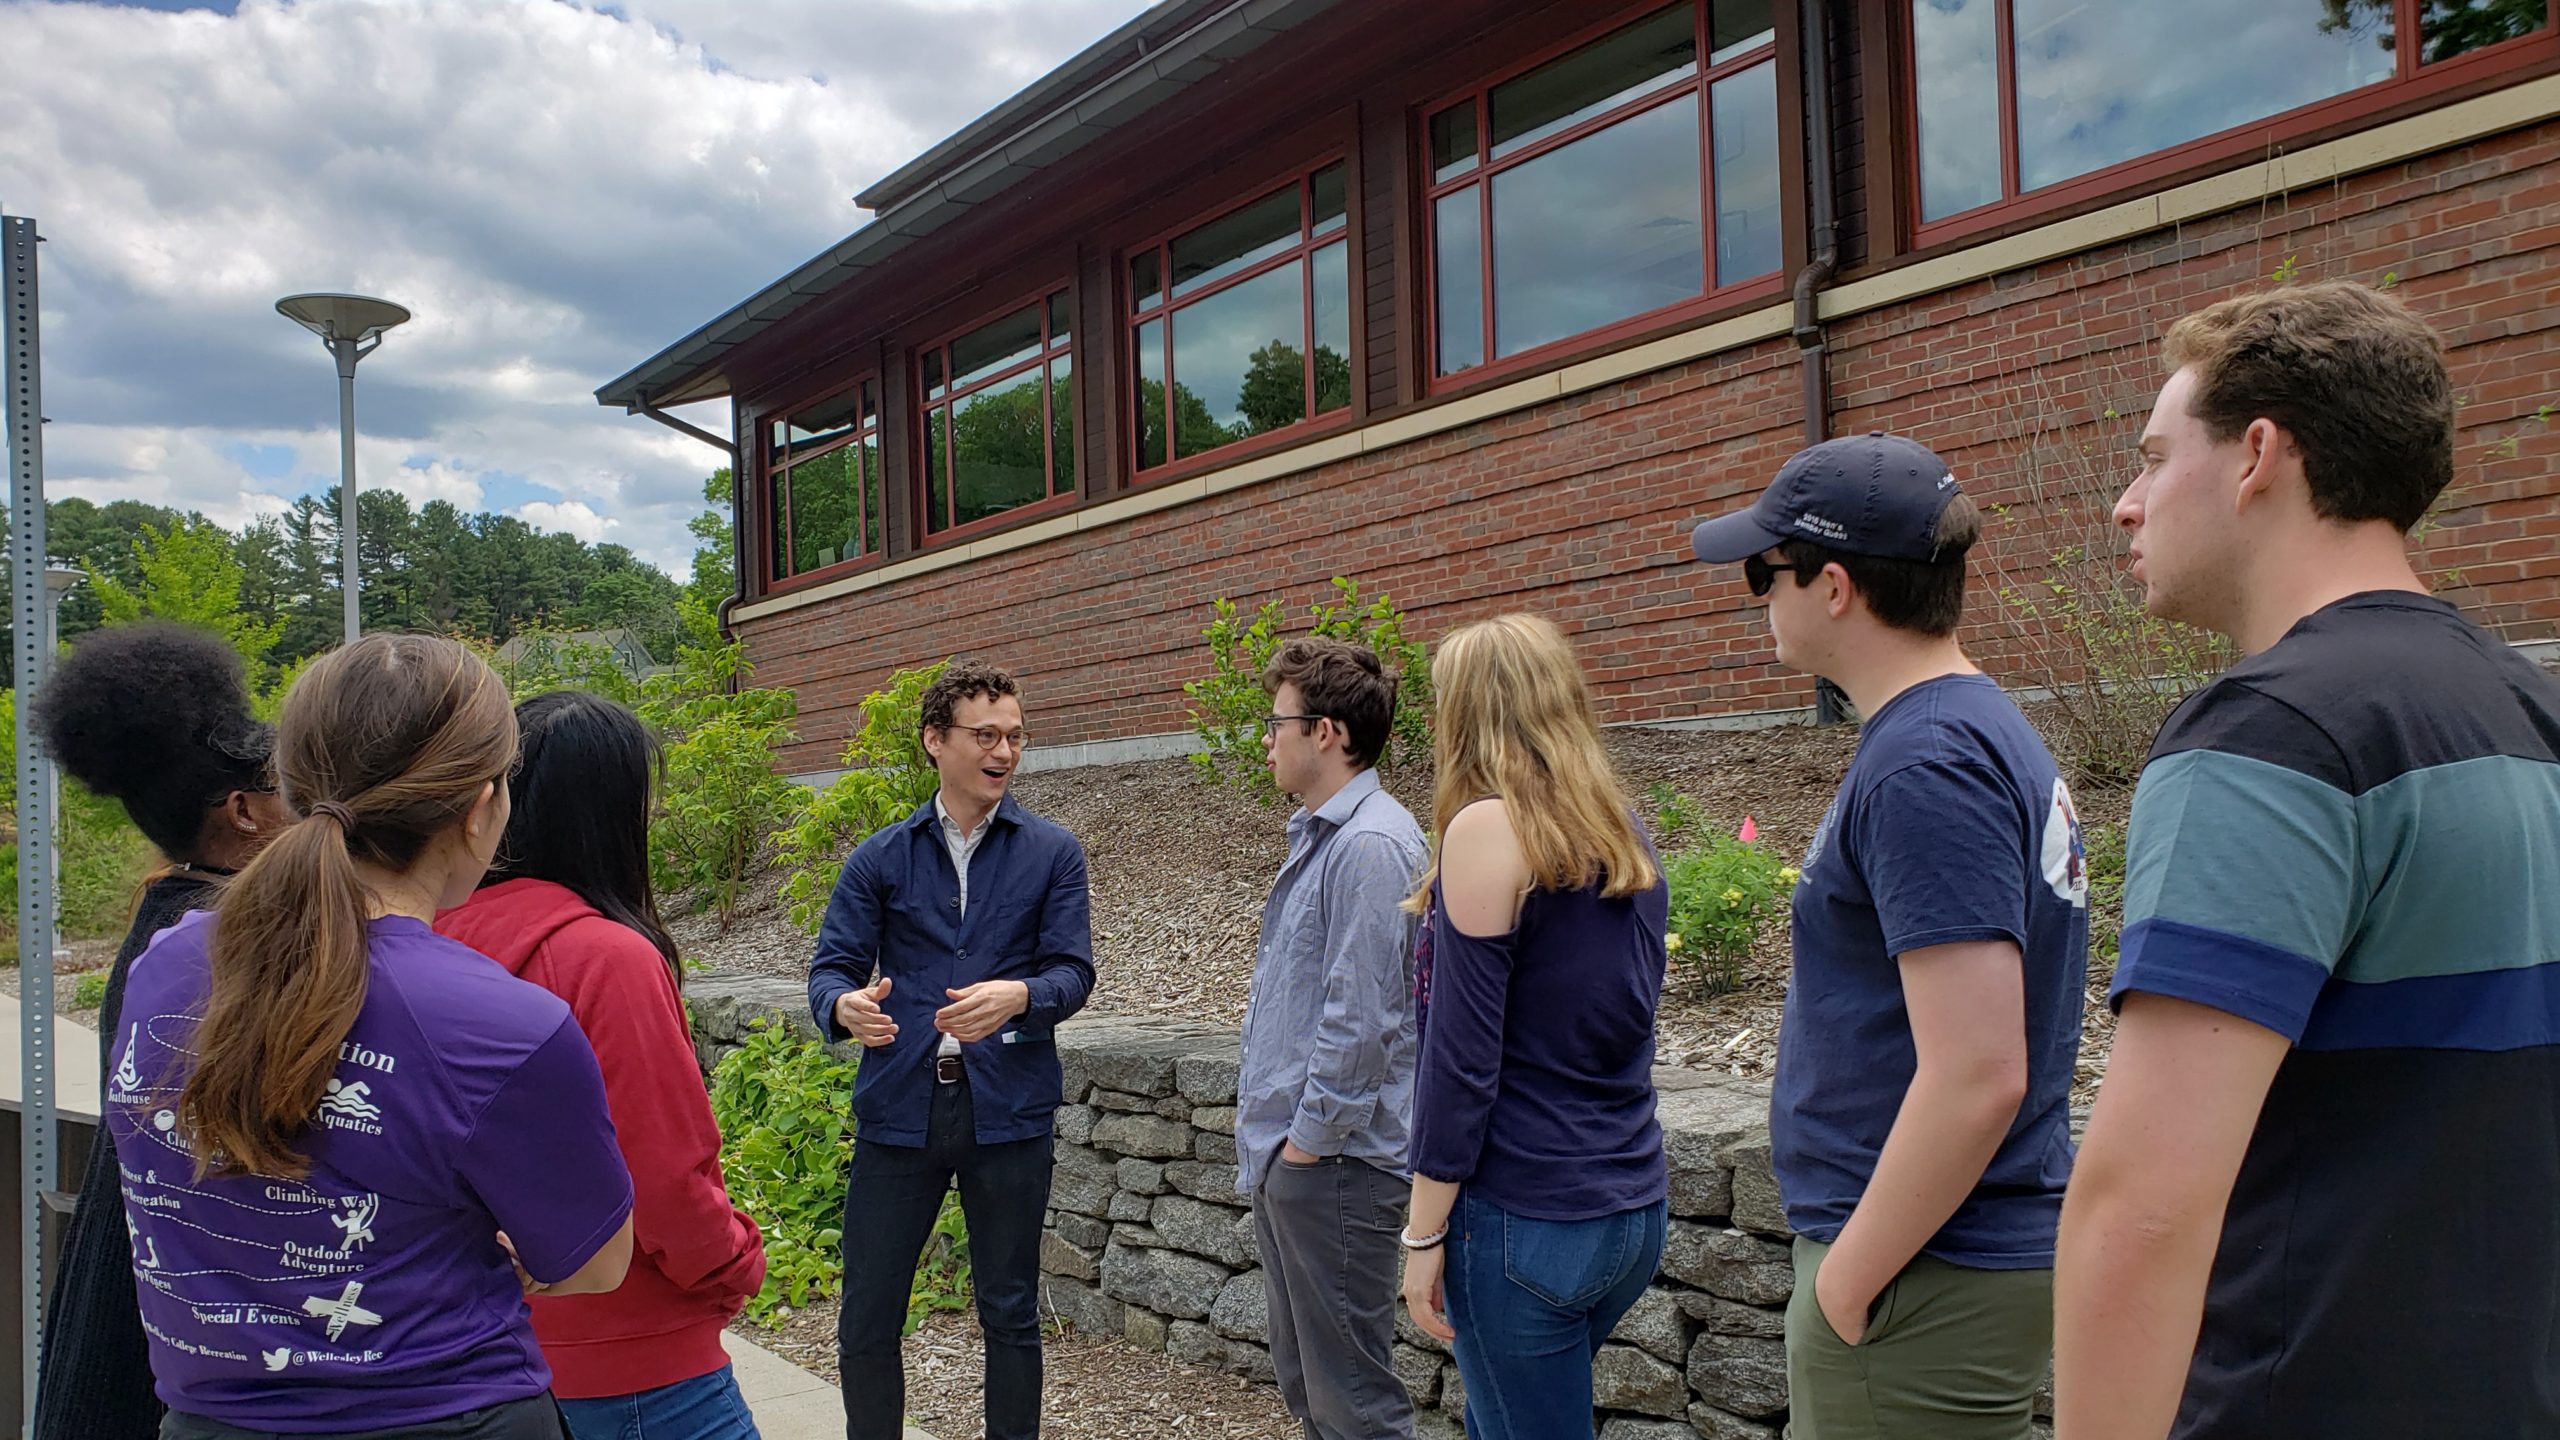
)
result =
(707, 1407)
(1531, 1301)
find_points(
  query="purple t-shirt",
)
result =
(372, 1293)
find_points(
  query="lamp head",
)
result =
(359, 318)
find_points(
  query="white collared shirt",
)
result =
(962, 847)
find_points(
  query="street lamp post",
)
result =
(351, 326)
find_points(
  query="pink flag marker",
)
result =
(1749, 834)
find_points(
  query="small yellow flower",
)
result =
(1790, 874)
(1671, 941)
(1733, 896)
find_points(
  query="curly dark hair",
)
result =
(959, 680)
(155, 714)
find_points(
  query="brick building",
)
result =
(1482, 302)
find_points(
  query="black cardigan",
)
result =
(96, 1378)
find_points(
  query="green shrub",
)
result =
(103, 861)
(887, 775)
(785, 1108)
(1227, 705)
(1721, 896)
(723, 797)
(1674, 814)
(89, 991)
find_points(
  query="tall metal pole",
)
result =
(347, 354)
(30, 606)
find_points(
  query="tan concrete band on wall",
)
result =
(2456, 124)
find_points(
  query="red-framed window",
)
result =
(997, 416)
(1240, 325)
(1634, 173)
(2021, 104)
(825, 504)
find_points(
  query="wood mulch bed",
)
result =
(1094, 1387)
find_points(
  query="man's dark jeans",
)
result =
(889, 1210)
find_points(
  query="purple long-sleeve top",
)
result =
(1534, 1087)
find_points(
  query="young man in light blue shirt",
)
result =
(1325, 1097)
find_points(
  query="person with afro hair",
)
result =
(154, 715)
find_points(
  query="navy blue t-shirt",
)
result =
(1952, 824)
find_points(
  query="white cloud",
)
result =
(555, 191)
(574, 516)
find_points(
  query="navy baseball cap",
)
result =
(1875, 494)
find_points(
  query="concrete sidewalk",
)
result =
(789, 1403)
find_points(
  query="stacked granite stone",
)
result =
(1147, 1238)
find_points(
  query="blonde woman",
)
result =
(1538, 1180)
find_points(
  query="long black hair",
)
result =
(581, 817)
(156, 715)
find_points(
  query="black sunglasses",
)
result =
(1762, 576)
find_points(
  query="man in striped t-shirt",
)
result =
(2320, 1194)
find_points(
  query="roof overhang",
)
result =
(1138, 68)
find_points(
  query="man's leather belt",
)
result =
(947, 1070)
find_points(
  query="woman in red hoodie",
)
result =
(567, 906)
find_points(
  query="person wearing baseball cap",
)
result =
(1920, 1126)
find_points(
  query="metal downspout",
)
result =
(1813, 25)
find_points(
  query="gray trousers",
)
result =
(1333, 1271)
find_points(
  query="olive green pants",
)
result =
(1952, 1354)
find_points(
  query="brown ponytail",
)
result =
(383, 746)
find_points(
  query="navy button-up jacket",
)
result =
(896, 911)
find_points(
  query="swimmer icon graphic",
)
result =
(350, 1100)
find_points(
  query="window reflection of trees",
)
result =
(1011, 442)
(1252, 291)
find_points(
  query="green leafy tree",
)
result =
(635, 598)
(715, 560)
(1195, 430)
(1227, 704)
(187, 573)
(723, 797)
(887, 775)
(2446, 28)
(1000, 449)
(99, 537)
(1275, 387)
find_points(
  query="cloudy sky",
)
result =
(557, 188)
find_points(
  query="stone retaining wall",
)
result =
(1148, 1240)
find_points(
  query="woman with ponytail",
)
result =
(568, 907)
(154, 715)
(351, 1146)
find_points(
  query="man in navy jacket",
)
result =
(955, 942)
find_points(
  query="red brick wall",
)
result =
(1579, 508)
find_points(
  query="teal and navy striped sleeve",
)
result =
(2242, 880)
